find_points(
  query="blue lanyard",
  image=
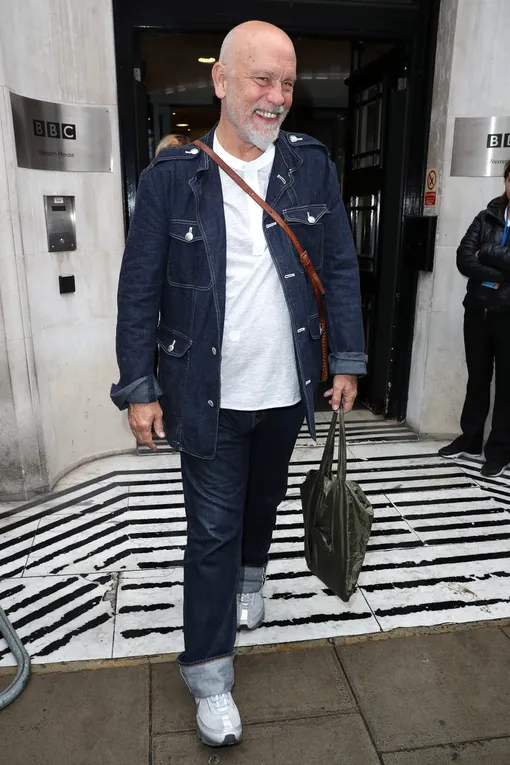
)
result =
(507, 227)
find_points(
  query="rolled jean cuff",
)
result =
(251, 579)
(209, 678)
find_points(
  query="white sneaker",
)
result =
(250, 610)
(218, 720)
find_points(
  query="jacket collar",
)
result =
(284, 151)
(496, 208)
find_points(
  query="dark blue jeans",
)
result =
(231, 503)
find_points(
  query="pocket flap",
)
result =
(185, 230)
(309, 215)
(314, 326)
(172, 342)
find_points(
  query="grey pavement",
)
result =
(425, 700)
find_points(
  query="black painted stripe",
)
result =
(52, 606)
(151, 585)
(399, 546)
(408, 479)
(60, 585)
(144, 632)
(464, 540)
(115, 558)
(279, 575)
(346, 616)
(143, 565)
(468, 525)
(144, 608)
(57, 644)
(108, 546)
(293, 595)
(456, 514)
(13, 591)
(157, 506)
(76, 545)
(485, 556)
(442, 606)
(413, 583)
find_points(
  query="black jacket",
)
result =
(493, 261)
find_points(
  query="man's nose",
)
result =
(276, 95)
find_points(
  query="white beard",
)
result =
(262, 138)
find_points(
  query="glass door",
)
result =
(373, 197)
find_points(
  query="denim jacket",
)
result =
(173, 278)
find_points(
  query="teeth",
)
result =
(267, 115)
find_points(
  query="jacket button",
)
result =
(189, 236)
(211, 403)
(193, 151)
(311, 219)
(213, 351)
(293, 138)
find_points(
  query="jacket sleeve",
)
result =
(496, 256)
(340, 278)
(467, 261)
(139, 294)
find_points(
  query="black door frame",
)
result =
(408, 22)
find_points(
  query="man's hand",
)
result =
(142, 419)
(345, 387)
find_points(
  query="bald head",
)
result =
(242, 40)
(254, 78)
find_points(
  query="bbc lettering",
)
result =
(498, 141)
(59, 130)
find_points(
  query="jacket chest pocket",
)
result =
(307, 222)
(188, 265)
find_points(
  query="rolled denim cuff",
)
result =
(145, 390)
(209, 678)
(348, 363)
(251, 579)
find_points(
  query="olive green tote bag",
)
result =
(337, 518)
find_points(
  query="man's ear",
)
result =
(219, 75)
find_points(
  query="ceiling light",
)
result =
(182, 124)
(204, 60)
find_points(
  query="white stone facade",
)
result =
(471, 80)
(57, 355)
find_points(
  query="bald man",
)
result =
(218, 285)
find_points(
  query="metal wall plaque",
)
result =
(51, 136)
(481, 146)
(60, 223)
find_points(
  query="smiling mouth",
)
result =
(267, 115)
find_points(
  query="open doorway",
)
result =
(364, 88)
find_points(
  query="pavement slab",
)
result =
(269, 687)
(331, 740)
(495, 752)
(98, 717)
(433, 689)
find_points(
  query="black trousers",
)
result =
(487, 343)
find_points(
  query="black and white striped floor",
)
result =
(95, 570)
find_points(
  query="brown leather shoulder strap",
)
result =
(303, 255)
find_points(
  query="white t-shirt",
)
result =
(258, 363)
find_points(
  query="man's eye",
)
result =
(263, 79)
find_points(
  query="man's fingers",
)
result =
(158, 425)
(142, 433)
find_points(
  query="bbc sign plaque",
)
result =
(52, 136)
(481, 146)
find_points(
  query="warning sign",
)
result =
(431, 188)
